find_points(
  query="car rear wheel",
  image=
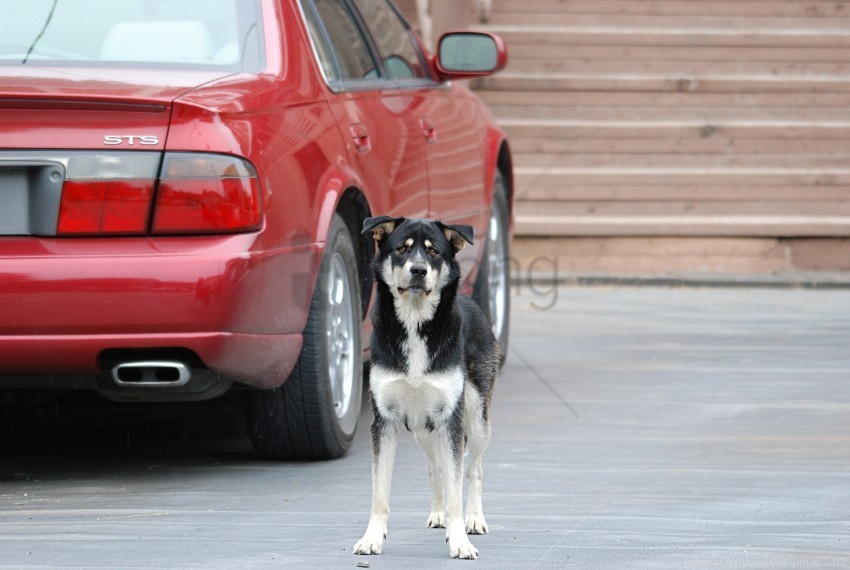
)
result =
(314, 414)
(492, 286)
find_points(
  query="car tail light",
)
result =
(114, 193)
(107, 193)
(110, 207)
(201, 193)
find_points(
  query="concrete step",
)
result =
(693, 67)
(684, 209)
(674, 177)
(694, 20)
(696, 128)
(652, 161)
(702, 191)
(676, 146)
(752, 102)
(708, 82)
(693, 113)
(783, 35)
(673, 140)
(682, 219)
(549, 258)
(612, 162)
(775, 8)
(520, 54)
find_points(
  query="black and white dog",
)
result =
(434, 362)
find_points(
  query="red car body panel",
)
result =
(209, 295)
(240, 301)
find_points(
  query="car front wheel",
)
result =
(314, 414)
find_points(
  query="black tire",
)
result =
(494, 272)
(299, 420)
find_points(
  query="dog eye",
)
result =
(432, 252)
(403, 249)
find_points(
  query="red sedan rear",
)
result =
(182, 186)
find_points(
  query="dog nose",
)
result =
(419, 270)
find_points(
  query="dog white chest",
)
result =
(430, 398)
(418, 360)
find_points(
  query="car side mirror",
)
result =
(463, 55)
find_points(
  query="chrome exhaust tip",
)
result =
(153, 373)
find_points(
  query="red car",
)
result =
(182, 187)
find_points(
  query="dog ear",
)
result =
(380, 226)
(458, 236)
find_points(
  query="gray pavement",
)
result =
(634, 428)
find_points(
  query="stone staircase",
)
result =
(678, 135)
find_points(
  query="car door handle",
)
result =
(360, 136)
(429, 130)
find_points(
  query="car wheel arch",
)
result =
(353, 206)
(349, 201)
(504, 164)
(498, 156)
(498, 159)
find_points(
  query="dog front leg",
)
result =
(452, 455)
(384, 443)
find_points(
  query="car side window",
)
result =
(401, 58)
(340, 46)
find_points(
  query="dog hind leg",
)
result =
(478, 434)
(384, 444)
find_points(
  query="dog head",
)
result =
(416, 257)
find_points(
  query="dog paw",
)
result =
(437, 520)
(371, 543)
(464, 551)
(460, 547)
(475, 524)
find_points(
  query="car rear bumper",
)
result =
(263, 361)
(239, 308)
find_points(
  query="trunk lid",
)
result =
(76, 108)
(65, 134)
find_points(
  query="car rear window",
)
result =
(216, 34)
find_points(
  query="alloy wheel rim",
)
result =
(340, 337)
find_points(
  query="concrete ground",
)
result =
(642, 427)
